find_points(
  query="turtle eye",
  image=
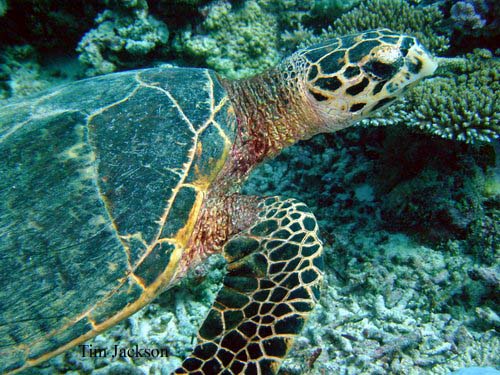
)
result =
(381, 70)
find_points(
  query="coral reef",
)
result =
(325, 8)
(126, 36)
(362, 180)
(241, 39)
(474, 370)
(432, 188)
(464, 106)
(387, 311)
(429, 186)
(423, 22)
(397, 15)
(464, 14)
(386, 307)
(17, 62)
(23, 73)
(461, 104)
(474, 21)
(236, 41)
(410, 221)
(483, 233)
(178, 14)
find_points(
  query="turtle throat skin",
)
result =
(272, 110)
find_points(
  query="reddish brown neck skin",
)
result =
(271, 115)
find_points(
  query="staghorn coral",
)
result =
(422, 22)
(399, 15)
(126, 36)
(462, 104)
(236, 41)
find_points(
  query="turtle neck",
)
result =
(272, 112)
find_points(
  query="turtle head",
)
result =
(349, 78)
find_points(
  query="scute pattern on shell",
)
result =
(117, 171)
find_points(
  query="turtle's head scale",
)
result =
(350, 77)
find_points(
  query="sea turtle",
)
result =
(112, 188)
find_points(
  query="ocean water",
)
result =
(407, 202)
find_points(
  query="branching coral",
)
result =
(236, 41)
(476, 17)
(311, 13)
(126, 33)
(422, 22)
(463, 104)
(398, 15)
(333, 6)
(464, 14)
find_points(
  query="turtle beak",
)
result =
(419, 62)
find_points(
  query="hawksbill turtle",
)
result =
(113, 187)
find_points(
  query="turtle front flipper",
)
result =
(274, 275)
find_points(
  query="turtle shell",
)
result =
(101, 182)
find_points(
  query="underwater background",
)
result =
(408, 201)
